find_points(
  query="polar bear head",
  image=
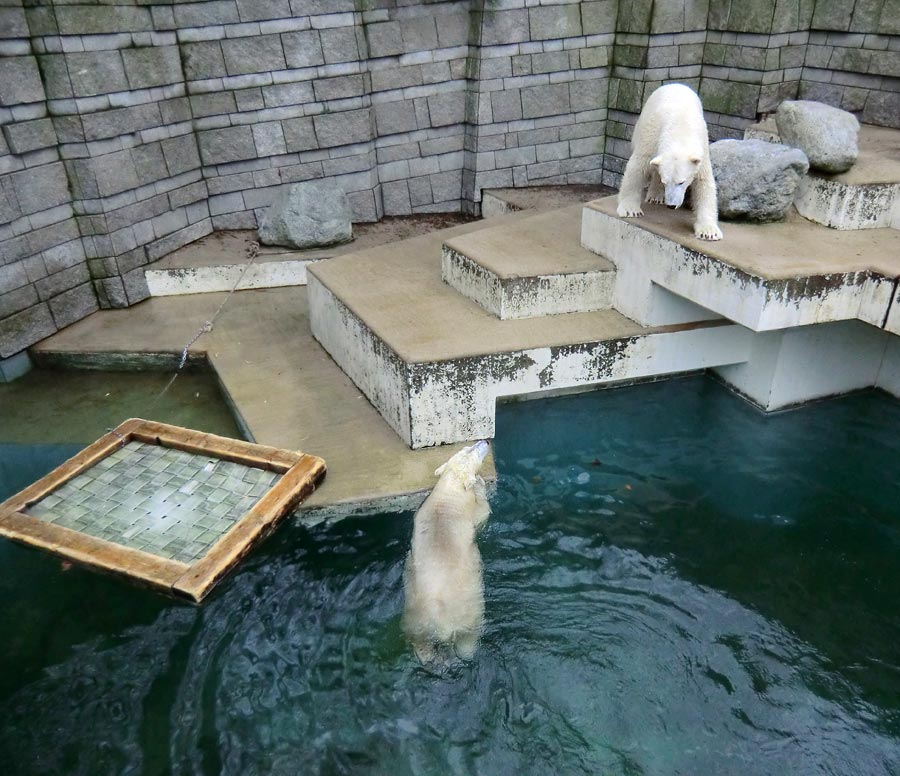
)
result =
(676, 172)
(465, 464)
(460, 480)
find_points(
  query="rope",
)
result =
(207, 326)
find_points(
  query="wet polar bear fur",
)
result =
(443, 609)
(670, 152)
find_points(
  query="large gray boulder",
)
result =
(756, 180)
(307, 215)
(828, 136)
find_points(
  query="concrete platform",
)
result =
(532, 267)
(434, 363)
(765, 277)
(867, 196)
(284, 388)
(218, 261)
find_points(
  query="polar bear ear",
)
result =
(656, 161)
(694, 160)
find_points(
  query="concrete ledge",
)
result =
(867, 196)
(846, 206)
(763, 276)
(204, 280)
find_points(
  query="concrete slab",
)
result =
(530, 268)
(398, 292)
(218, 261)
(434, 363)
(764, 276)
(542, 244)
(286, 390)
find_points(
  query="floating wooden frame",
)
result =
(28, 519)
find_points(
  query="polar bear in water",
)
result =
(444, 594)
(670, 151)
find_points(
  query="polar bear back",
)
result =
(672, 118)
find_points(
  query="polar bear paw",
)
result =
(707, 232)
(633, 211)
(654, 199)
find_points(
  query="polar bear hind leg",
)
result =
(466, 643)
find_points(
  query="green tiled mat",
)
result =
(156, 499)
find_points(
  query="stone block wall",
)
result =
(537, 109)
(132, 127)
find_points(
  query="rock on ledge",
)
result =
(756, 180)
(828, 136)
(307, 215)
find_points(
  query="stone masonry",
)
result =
(132, 127)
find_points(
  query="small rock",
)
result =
(828, 136)
(307, 215)
(755, 179)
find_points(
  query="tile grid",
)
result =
(159, 500)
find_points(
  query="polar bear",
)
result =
(443, 610)
(670, 152)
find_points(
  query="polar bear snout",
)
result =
(675, 195)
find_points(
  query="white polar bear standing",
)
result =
(670, 152)
(443, 609)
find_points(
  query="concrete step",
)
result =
(763, 276)
(531, 267)
(219, 261)
(434, 364)
(867, 196)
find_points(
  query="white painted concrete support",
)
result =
(892, 321)
(373, 366)
(645, 260)
(889, 374)
(456, 401)
(792, 366)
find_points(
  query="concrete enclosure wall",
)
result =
(132, 128)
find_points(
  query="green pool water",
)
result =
(674, 584)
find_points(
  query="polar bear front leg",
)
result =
(706, 209)
(632, 188)
(656, 192)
